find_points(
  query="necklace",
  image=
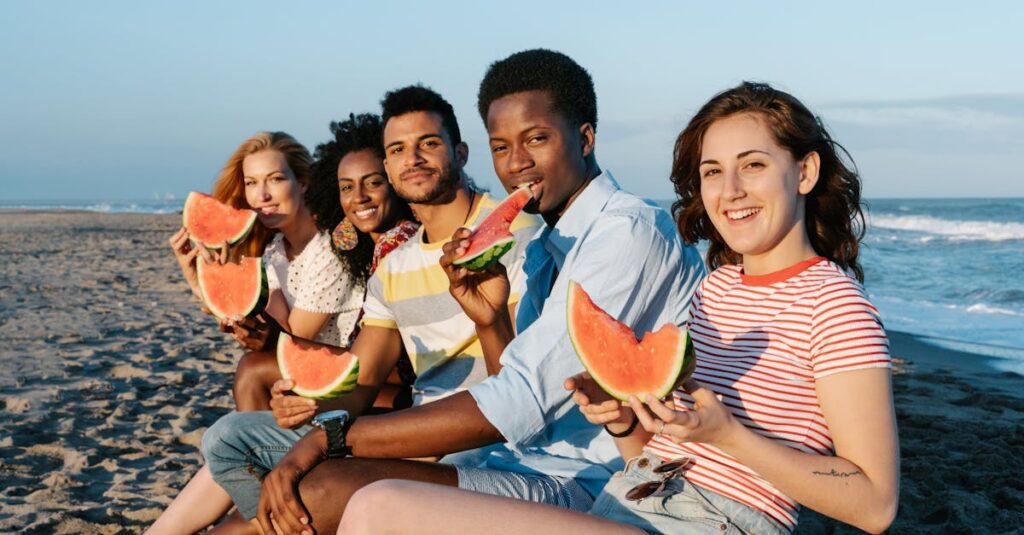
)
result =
(469, 211)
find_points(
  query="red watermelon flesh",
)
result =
(231, 289)
(211, 222)
(320, 371)
(491, 238)
(621, 364)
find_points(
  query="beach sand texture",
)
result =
(109, 374)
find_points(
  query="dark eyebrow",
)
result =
(526, 130)
(421, 138)
(738, 156)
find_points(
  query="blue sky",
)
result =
(122, 100)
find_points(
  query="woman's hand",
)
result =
(290, 411)
(710, 420)
(483, 295)
(251, 333)
(597, 406)
(186, 254)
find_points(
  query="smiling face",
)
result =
(271, 188)
(422, 164)
(753, 191)
(533, 144)
(366, 197)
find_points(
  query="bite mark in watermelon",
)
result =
(231, 289)
(211, 222)
(491, 239)
(621, 364)
(319, 371)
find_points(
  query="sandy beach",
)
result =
(109, 374)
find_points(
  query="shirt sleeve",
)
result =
(321, 283)
(376, 312)
(846, 330)
(528, 391)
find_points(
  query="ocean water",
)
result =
(949, 270)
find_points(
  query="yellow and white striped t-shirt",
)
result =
(409, 292)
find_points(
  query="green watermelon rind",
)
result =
(257, 304)
(488, 257)
(344, 385)
(682, 368)
(216, 246)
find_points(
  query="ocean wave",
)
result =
(101, 207)
(950, 229)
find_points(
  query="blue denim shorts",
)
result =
(682, 508)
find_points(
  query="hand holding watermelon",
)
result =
(597, 406)
(185, 253)
(483, 295)
(290, 411)
(709, 422)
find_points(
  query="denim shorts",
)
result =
(540, 488)
(682, 508)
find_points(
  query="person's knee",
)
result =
(255, 374)
(225, 442)
(368, 501)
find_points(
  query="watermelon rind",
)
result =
(256, 304)
(682, 365)
(343, 385)
(488, 257)
(244, 230)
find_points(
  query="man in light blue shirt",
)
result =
(540, 111)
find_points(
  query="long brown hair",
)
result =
(230, 185)
(833, 215)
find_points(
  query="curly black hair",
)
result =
(415, 98)
(570, 86)
(357, 133)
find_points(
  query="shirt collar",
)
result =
(585, 208)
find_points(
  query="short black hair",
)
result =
(570, 86)
(415, 98)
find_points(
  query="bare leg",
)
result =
(201, 503)
(257, 371)
(326, 490)
(411, 507)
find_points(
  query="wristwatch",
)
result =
(335, 424)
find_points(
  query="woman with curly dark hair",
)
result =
(790, 403)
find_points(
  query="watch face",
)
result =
(339, 415)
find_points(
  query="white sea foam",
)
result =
(950, 229)
(977, 323)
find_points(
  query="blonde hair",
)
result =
(229, 187)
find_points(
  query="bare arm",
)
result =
(859, 485)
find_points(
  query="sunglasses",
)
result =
(667, 471)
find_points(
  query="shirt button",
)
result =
(643, 462)
(723, 527)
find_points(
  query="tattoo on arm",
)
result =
(833, 473)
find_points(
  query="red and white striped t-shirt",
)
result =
(761, 343)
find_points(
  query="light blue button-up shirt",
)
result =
(627, 254)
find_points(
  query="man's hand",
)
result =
(483, 295)
(596, 405)
(290, 411)
(279, 497)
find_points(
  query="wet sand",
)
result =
(109, 374)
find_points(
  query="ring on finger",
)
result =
(661, 430)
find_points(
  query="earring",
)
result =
(344, 236)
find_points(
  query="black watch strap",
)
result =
(336, 433)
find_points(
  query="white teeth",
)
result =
(740, 214)
(366, 213)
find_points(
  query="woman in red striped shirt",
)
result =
(791, 401)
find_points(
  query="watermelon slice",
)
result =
(211, 222)
(320, 371)
(233, 289)
(620, 363)
(491, 238)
